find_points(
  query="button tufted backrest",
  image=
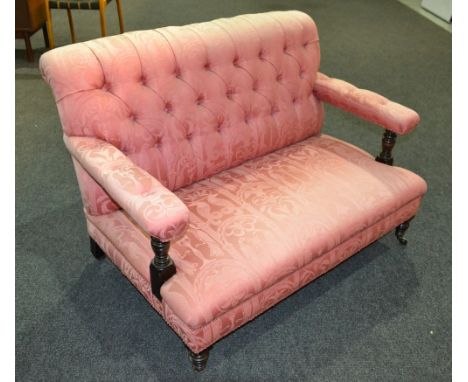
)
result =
(187, 102)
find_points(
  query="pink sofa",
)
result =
(208, 137)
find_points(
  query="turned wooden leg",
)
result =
(96, 250)
(102, 16)
(162, 267)
(199, 360)
(46, 35)
(70, 23)
(49, 27)
(400, 232)
(119, 12)
(29, 50)
(388, 141)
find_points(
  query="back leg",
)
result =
(96, 250)
(400, 232)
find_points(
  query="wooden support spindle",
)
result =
(162, 267)
(388, 142)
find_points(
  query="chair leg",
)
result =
(199, 360)
(70, 23)
(50, 32)
(102, 15)
(96, 250)
(400, 232)
(29, 50)
(46, 36)
(119, 12)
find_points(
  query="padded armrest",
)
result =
(156, 209)
(366, 104)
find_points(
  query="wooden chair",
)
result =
(85, 5)
(30, 16)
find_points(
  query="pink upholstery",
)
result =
(208, 135)
(95, 200)
(366, 104)
(156, 209)
(257, 223)
(129, 237)
(187, 102)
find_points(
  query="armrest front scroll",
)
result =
(366, 104)
(156, 209)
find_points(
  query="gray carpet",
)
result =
(384, 315)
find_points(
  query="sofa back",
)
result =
(187, 102)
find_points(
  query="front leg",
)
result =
(199, 360)
(162, 267)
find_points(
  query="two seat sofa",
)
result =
(204, 174)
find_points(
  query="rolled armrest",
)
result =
(366, 104)
(156, 209)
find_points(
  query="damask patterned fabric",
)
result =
(253, 225)
(129, 237)
(96, 201)
(366, 104)
(208, 135)
(187, 102)
(156, 209)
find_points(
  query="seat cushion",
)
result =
(255, 224)
(126, 235)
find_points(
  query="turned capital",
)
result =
(162, 267)
(161, 258)
(388, 142)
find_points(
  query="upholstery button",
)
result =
(177, 71)
(285, 48)
(200, 99)
(229, 93)
(106, 86)
(207, 66)
(294, 100)
(255, 86)
(235, 62)
(274, 110)
(168, 107)
(219, 124)
(301, 73)
(158, 142)
(279, 77)
(132, 116)
(143, 80)
(189, 136)
(261, 54)
(305, 44)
